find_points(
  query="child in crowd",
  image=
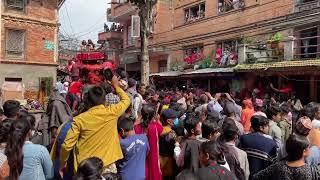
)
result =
(91, 169)
(211, 156)
(167, 141)
(189, 155)
(11, 109)
(210, 131)
(286, 122)
(135, 148)
(274, 115)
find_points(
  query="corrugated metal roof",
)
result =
(168, 74)
(280, 64)
(199, 71)
(210, 70)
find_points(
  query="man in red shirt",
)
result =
(75, 93)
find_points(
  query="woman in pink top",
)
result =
(152, 128)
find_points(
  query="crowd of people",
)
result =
(122, 129)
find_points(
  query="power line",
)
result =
(89, 30)
(66, 8)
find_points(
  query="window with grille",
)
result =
(15, 43)
(228, 5)
(16, 4)
(307, 43)
(195, 13)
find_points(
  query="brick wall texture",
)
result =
(175, 35)
(39, 21)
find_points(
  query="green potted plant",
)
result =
(275, 44)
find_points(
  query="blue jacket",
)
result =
(37, 164)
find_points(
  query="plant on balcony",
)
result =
(276, 38)
(275, 44)
(205, 62)
(146, 18)
(177, 65)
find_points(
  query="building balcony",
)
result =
(110, 36)
(305, 5)
(122, 12)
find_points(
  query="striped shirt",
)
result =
(261, 150)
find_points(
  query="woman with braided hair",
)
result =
(26, 160)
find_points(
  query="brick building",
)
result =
(29, 39)
(257, 37)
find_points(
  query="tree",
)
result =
(146, 18)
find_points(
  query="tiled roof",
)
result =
(280, 64)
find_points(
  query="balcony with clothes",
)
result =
(305, 5)
(227, 53)
(112, 33)
(230, 5)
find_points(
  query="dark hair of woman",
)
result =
(295, 146)
(90, 169)
(148, 112)
(16, 139)
(31, 119)
(5, 126)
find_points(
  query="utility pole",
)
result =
(145, 13)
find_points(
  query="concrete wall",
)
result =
(30, 74)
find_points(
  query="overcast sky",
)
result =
(86, 18)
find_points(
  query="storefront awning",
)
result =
(269, 66)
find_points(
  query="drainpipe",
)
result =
(1, 4)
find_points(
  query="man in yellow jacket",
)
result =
(94, 132)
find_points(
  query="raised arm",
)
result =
(69, 142)
(124, 103)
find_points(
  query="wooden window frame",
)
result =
(9, 56)
(188, 9)
(15, 7)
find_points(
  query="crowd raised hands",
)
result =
(155, 134)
